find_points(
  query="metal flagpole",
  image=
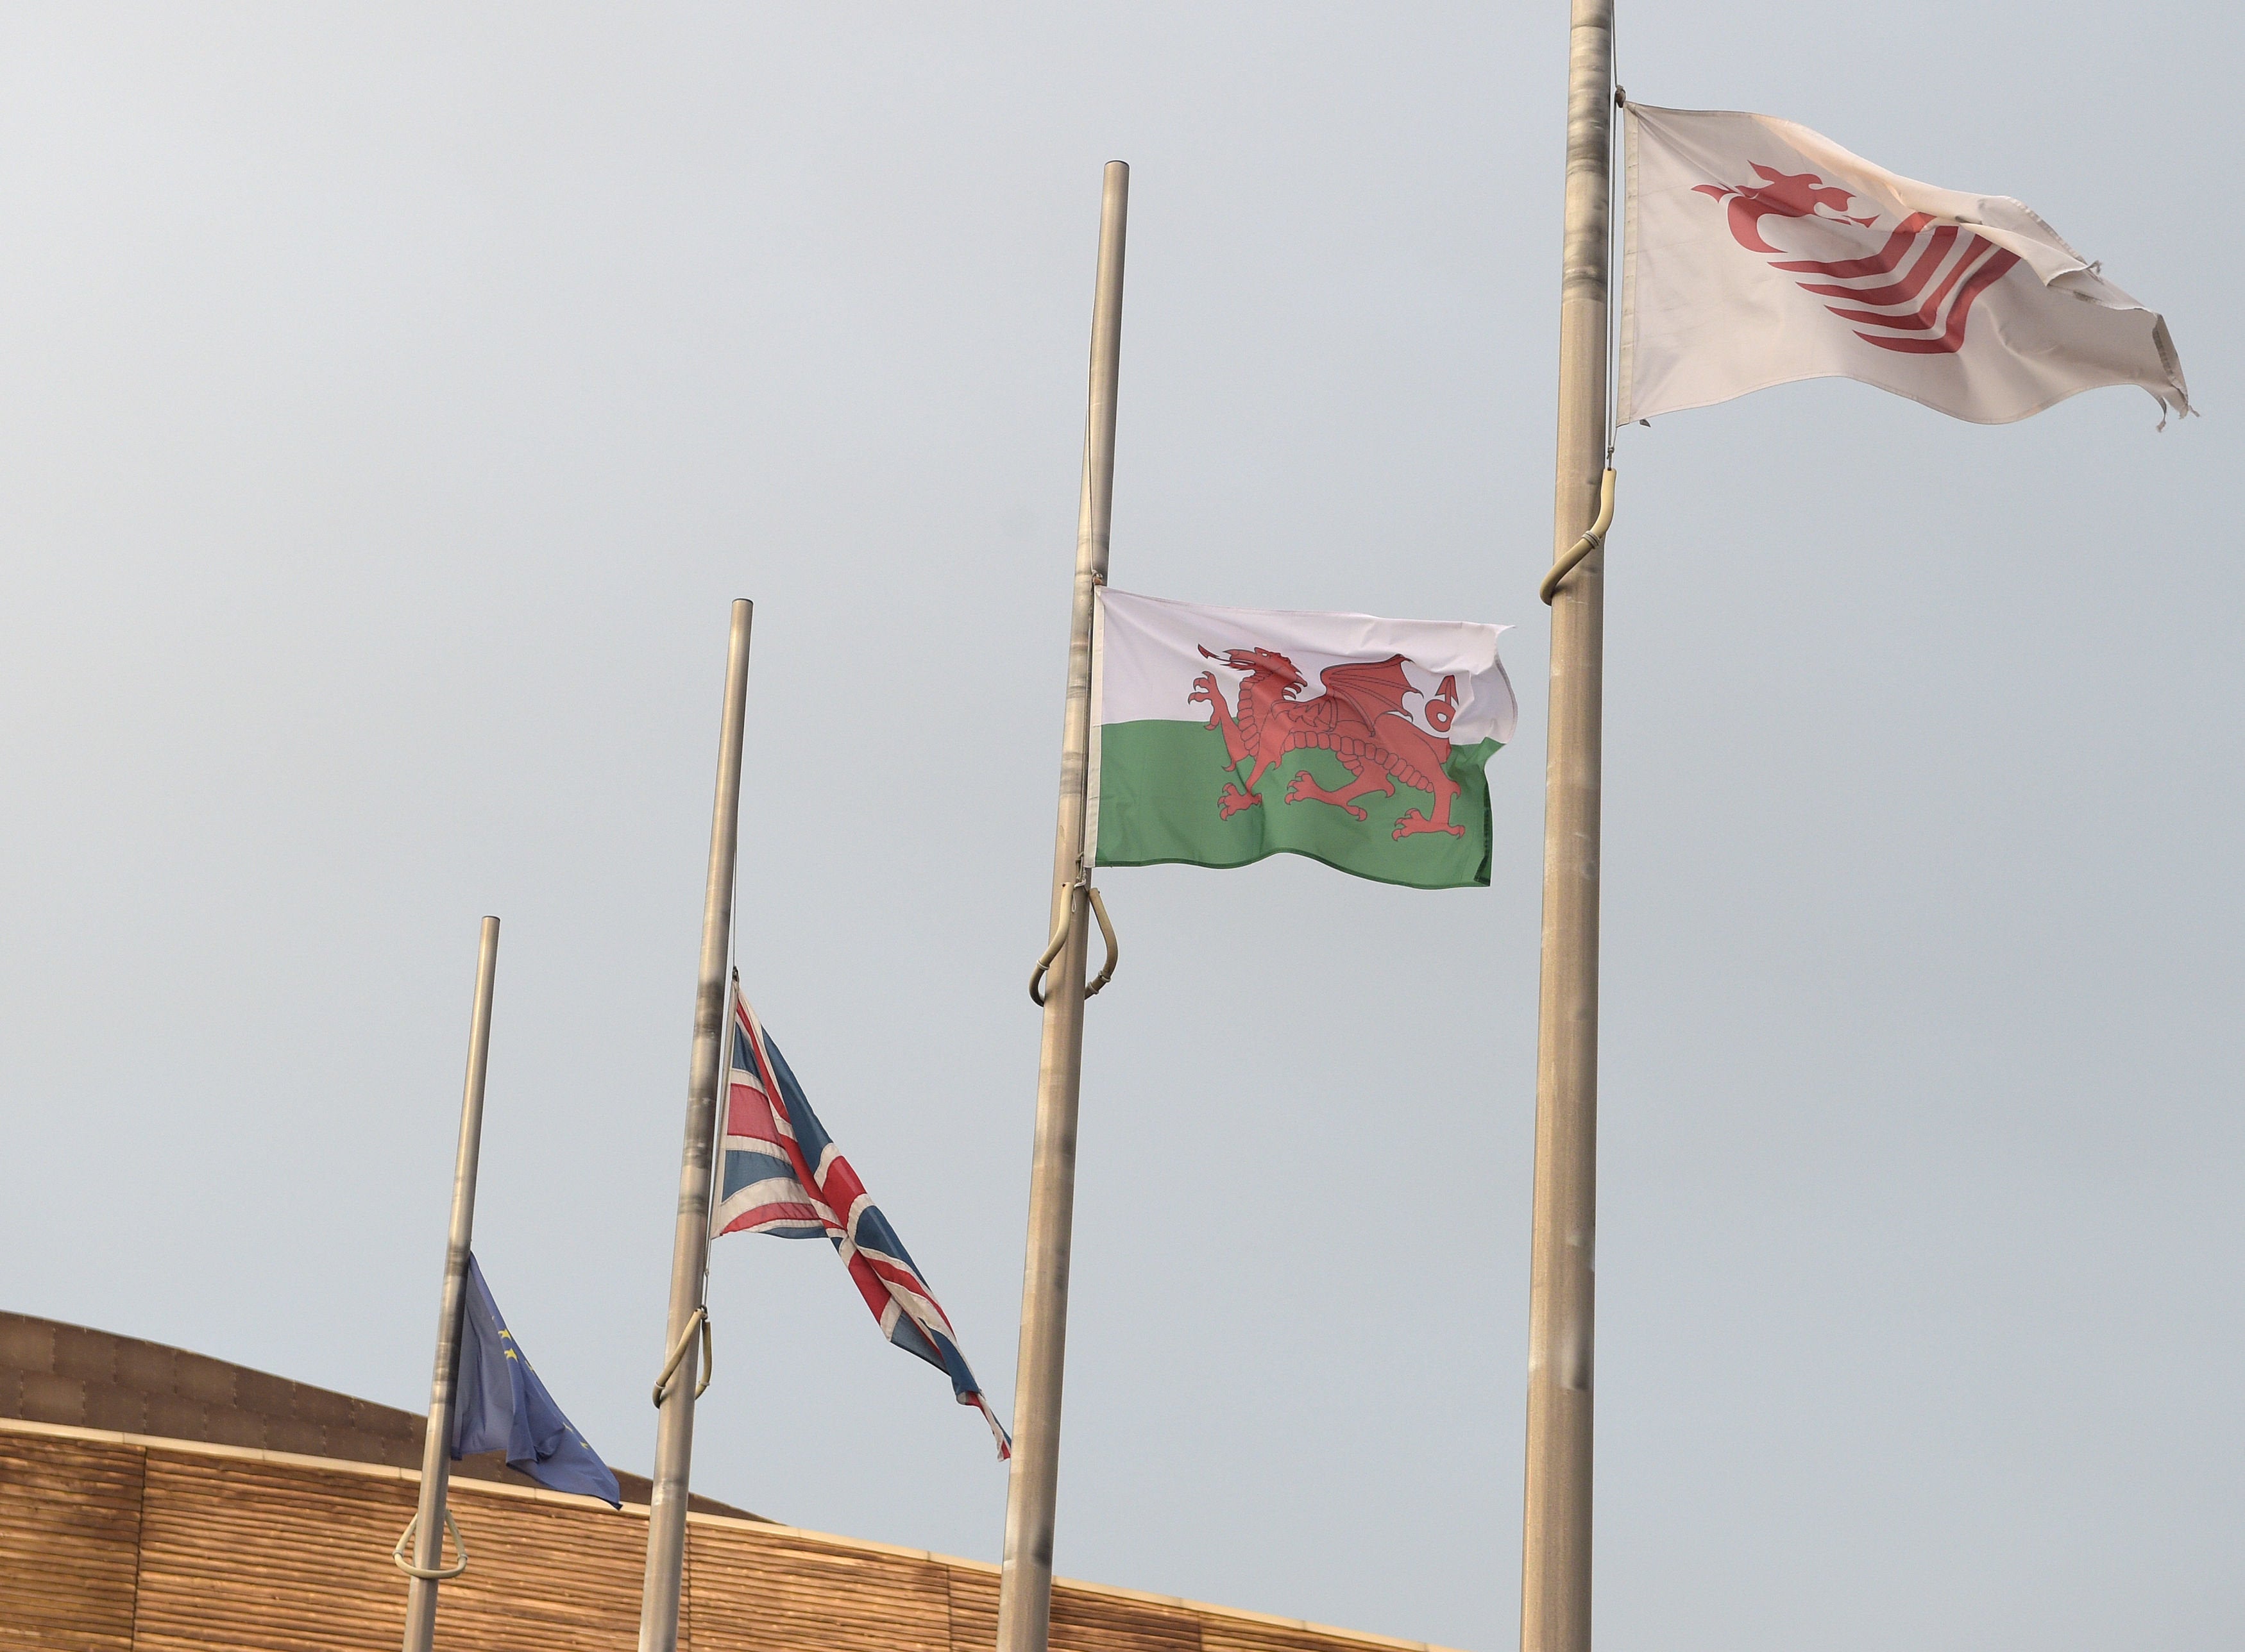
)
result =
(1555, 1603)
(675, 1389)
(429, 1523)
(1025, 1584)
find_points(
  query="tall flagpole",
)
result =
(673, 1435)
(436, 1447)
(1025, 1584)
(1555, 1596)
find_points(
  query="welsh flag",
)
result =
(1221, 735)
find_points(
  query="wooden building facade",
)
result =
(116, 1539)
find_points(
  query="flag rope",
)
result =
(1593, 538)
(1617, 233)
(698, 1320)
(437, 1575)
(1060, 939)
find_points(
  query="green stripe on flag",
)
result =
(1159, 782)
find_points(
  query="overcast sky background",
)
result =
(394, 398)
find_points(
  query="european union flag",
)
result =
(499, 1405)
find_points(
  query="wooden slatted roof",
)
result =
(154, 1501)
(53, 1372)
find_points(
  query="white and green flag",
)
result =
(1221, 735)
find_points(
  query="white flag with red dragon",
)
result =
(1757, 252)
(1222, 735)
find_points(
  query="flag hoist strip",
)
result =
(781, 1174)
(1756, 252)
(1222, 735)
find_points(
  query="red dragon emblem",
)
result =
(1358, 717)
(1916, 315)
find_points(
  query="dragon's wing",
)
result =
(1369, 688)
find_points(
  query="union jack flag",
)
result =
(783, 1174)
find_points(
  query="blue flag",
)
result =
(499, 1405)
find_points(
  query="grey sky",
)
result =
(395, 397)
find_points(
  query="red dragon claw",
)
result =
(1205, 692)
(1233, 800)
(1304, 787)
(1413, 822)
